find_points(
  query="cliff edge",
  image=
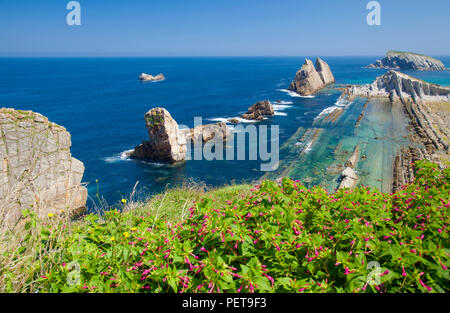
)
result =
(37, 170)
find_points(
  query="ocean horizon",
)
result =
(102, 103)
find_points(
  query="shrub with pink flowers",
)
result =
(282, 238)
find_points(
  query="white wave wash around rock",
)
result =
(294, 94)
(227, 120)
(122, 156)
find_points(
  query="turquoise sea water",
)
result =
(101, 102)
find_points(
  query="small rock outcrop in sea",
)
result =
(397, 85)
(205, 133)
(258, 110)
(398, 60)
(37, 170)
(166, 142)
(349, 178)
(147, 77)
(310, 79)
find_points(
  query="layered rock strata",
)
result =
(310, 79)
(37, 170)
(396, 85)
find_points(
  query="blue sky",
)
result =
(222, 28)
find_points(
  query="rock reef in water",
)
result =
(37, 170)
(398, 60)
(168, 143)
(397, 85)
(208, 132)
(349, 178)
(310, 79)
(147, 77)
(258, 110)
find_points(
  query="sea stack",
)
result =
(37, 170)
(398, 60)
(258, 110)
(310, 79)
(147, 77)
(166, 142)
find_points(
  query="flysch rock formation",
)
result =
(168, 143)
(310, 79)
(37, 170)
(147, 77)
(258, 110)
(408, 61)
(397, 85)
(430, 129)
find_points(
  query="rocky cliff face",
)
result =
(408, 61)
(166, 142)
(310, 79)
(37, 171)
(397, 85)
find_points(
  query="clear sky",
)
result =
(222, 28)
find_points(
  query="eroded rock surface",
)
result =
(397, 85)
(205, 133)
(310, 79)
(37, 170)
(167, 143)
(408, 61)
(258, 110)
(349, 178)
(147, 77)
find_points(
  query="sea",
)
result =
(102, 103)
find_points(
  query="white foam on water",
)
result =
(277, 107)
(227, 120)
(122, 156)
(294, 94)
(280, 113)
(308, 147)
(283, 102)
(341, 103)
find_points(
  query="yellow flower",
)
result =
(126, 234)
(134, 229)
(112, 238)
(50, 215)
(124, 201)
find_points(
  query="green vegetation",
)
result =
(390, 52)
(278, 237)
